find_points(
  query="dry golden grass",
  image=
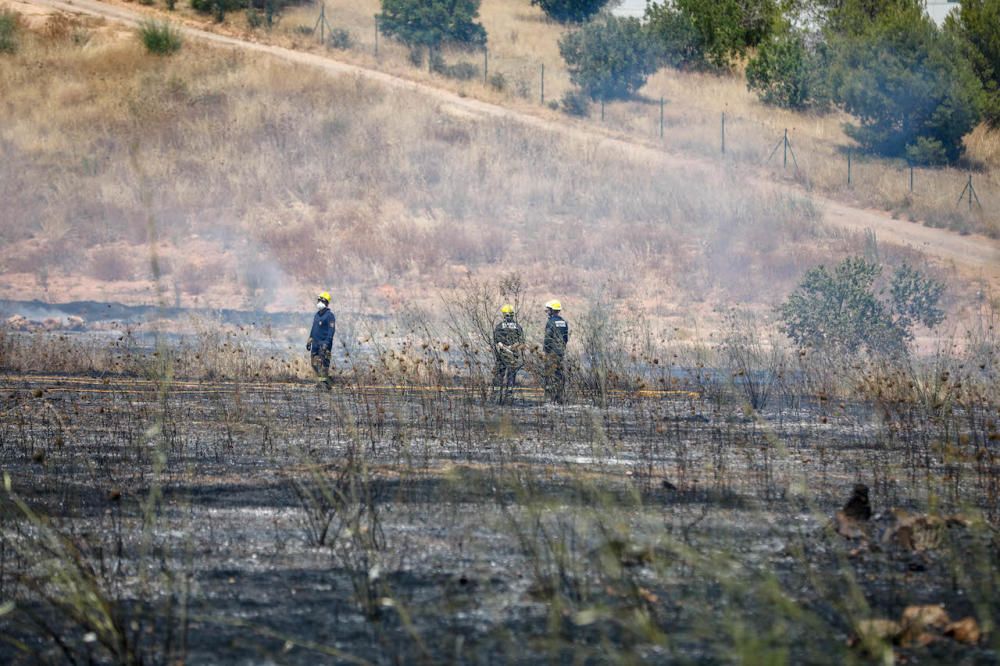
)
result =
(522, 40)
(265, 179)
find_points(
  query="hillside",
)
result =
(259, 179)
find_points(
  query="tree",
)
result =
(976, 29)
(841, 311)
(432, 23)
(570, 11)
(610, 57)
(786, 72)
(900, 77)
(714, 33)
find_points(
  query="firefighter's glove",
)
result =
(309, 345)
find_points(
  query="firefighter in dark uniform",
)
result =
(320, 343)
(508, 348)
(554, 348)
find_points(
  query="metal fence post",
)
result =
(723, 132)
(848, 166)
(543, 83)
(661, 117)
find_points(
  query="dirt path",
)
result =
(973, 256)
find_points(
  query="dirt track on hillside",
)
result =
(973, 256)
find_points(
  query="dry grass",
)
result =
(265, 179)
(522, 40)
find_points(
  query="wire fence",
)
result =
(941, 196)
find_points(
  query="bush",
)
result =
(901, 79)
(975, 27)
(570, 11)
(341, 38)
(432, 23)
(10, 26)
(461, 71)
(841, 311)
(575, 103)
(609, 58)
(785, 73)
(160, 37)
(681, 44)
(712, 33)
(497, 81)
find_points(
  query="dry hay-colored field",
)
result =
(522, 42)
(258, 180)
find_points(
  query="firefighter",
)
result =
(554, 348)
(320, 343)
(508, 348)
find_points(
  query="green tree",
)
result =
(842, 311)
(900, 77)
(610, 57)
(714, 33)
(785, 72)
(432, 23)
(976, 28)
(570, 11)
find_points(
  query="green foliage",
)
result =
(976, 29)
(576, 103)
(160, 37)
(786, 73)
(570, 11)
(432, 23)
(841, 311)
(900, 77)
(681, 44)
(712, 33)
(610, 57)
(10, 25)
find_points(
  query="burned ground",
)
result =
(276, 522)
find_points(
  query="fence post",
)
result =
(848, 167)
(661, 117)
(911, 179)
(723, 132)
(543, 84)
(784, 163)
(376, 35)
(486, 64)
(602, 109)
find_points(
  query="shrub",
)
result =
(432, 23)
(461, 71)
(10, 25)
(341, 38)
(609, 58)
(570, 11)
(711, 32)
(785, 73)
(254, 18)
(900, 77)
(160, 37)
(976, 29)
(575, 103)
(841, 311)
(681, 44)
(497, 81)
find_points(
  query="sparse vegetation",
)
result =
(160, 38)
(10, 24)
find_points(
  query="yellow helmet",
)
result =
(554, 305)
(507, 309)
(325, 296)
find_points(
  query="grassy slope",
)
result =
(263, 180)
